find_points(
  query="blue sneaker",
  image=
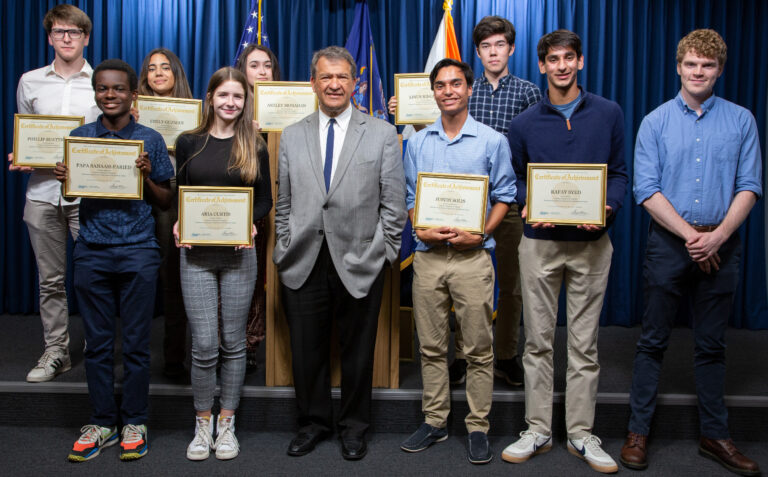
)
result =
(424, 437)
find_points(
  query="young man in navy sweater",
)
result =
(569, 125)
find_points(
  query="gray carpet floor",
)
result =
(43, 451)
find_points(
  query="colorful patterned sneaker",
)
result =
(530, 444)
(134, 442)
(50, 365)
(201, 445)
(226, 444)
(92, 440)
(589, 450)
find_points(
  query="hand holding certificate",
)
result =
(566, 194)
(278, 104)
(104, 168)
(215, 216)
(415, 100)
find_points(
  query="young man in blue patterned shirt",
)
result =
(497, 97)
(116, 259)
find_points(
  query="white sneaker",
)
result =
(226, 444)
(50, 364)
(530, 443)
(589, 449)
(201, 445)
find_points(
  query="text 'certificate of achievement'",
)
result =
(103, 168)
(169, 116)
(215, 215)
(38, 140)
(453, 200)
(415, 100)
(567, 194)
(277, 104)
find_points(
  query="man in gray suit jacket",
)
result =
(339, 216)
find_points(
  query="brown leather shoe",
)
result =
(633, 453)
(726, 453)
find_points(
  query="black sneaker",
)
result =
(457, 371)
(424, 437)
(478, 449)
(509, 370)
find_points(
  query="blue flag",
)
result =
(368, 96)
(253, 27)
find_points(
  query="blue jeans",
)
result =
(204, 272)
(670, 275)
(112, 281)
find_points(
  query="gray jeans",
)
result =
(204, 272)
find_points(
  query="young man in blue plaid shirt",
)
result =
(497, 97)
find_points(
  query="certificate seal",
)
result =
(46, 141)
(103, 169)
(449, 202)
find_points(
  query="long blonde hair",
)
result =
(247, 141)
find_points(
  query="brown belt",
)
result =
(704, 228)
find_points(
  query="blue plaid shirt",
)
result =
(121, 222)
(497, 108)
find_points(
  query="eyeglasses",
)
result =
(498, 45)
(74, 34)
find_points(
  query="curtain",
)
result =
(629, 51)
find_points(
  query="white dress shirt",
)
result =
(44, 91)
(339, 133)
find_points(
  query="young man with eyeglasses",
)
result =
(61, 88)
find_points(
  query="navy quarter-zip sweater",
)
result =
(593, 134)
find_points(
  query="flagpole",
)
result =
(258, 36)
(370, 82)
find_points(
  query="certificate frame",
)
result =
(192, 119)
(434, 210)
(78, 185)
(185, 207)
(260, 88)
(554, 194)
(67, 123)
(401, 111)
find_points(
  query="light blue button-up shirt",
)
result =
(699, 163)
(477, 149)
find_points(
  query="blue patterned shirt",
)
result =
(477, 149)
(698, 162)
(121, 222)
(497, 108)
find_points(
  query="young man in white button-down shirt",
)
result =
(61, 88)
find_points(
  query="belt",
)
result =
(704, 228)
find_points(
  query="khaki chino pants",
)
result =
(583, 267)
(443, 277)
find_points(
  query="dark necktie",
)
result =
(328, 155)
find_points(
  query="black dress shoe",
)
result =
(353, 448)
(304, 443)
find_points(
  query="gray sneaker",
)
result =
(424, 437)
(50, 365)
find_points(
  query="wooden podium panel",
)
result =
(386, 371)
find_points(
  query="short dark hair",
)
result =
(67, 14)
(446, 62)
(558, 38)
(118, 65)
(493, 25)
(333, 53)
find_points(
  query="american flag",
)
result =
(251, 29)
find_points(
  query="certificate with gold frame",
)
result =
(566, 194)
(169, 116)
(215, 215)
(103, 168)
(415, 100)
(278, 104)
(38, 139)
(453, 200)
